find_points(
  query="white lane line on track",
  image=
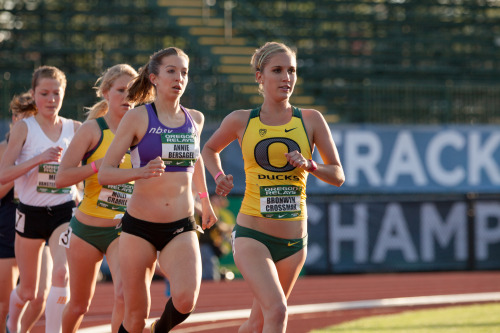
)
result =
(324, 307)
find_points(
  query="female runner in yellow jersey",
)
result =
(94, 229)
(277, 141)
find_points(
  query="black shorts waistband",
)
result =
(63, 206)
(160, 225)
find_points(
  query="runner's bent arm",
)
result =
(70, 170)
(208, 217)
(231, 128)
(9, 171)
(331, 170)
(132, 126)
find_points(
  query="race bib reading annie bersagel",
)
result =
(115, 197)
(280, 201)
(47, 180)
(179, 149)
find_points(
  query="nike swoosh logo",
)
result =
(288, 130)
(280, 216)
(291, 244)
(178, 231)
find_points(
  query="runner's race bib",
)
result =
(280, 201)
(65, 237)
(179, 149)
(46, 182)
(115, 197)
(20, 221)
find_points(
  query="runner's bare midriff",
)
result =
(277, 228)
(170, 195)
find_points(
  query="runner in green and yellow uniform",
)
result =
(277, 141)
(94, 229)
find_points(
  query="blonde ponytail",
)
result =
(99, 109)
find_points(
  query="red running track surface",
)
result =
(233, 295)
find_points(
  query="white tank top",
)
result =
(37, 186)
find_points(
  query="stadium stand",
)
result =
(386, 61)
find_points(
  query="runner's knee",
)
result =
(184, 302)
(184, 297)
(26, 293)
(136, 323)
(78, 308)
(60, 275)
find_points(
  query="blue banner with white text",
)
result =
(370, 235)
(391, 159)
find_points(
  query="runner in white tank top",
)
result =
(31, 159)
(37, 186)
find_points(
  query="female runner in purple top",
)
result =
(177, 156)
(165, 142)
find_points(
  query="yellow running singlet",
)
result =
(109, 200)
(274, 188)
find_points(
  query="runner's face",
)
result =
(172, 76)
(48, 95)
(117, 95)
(279, 76)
